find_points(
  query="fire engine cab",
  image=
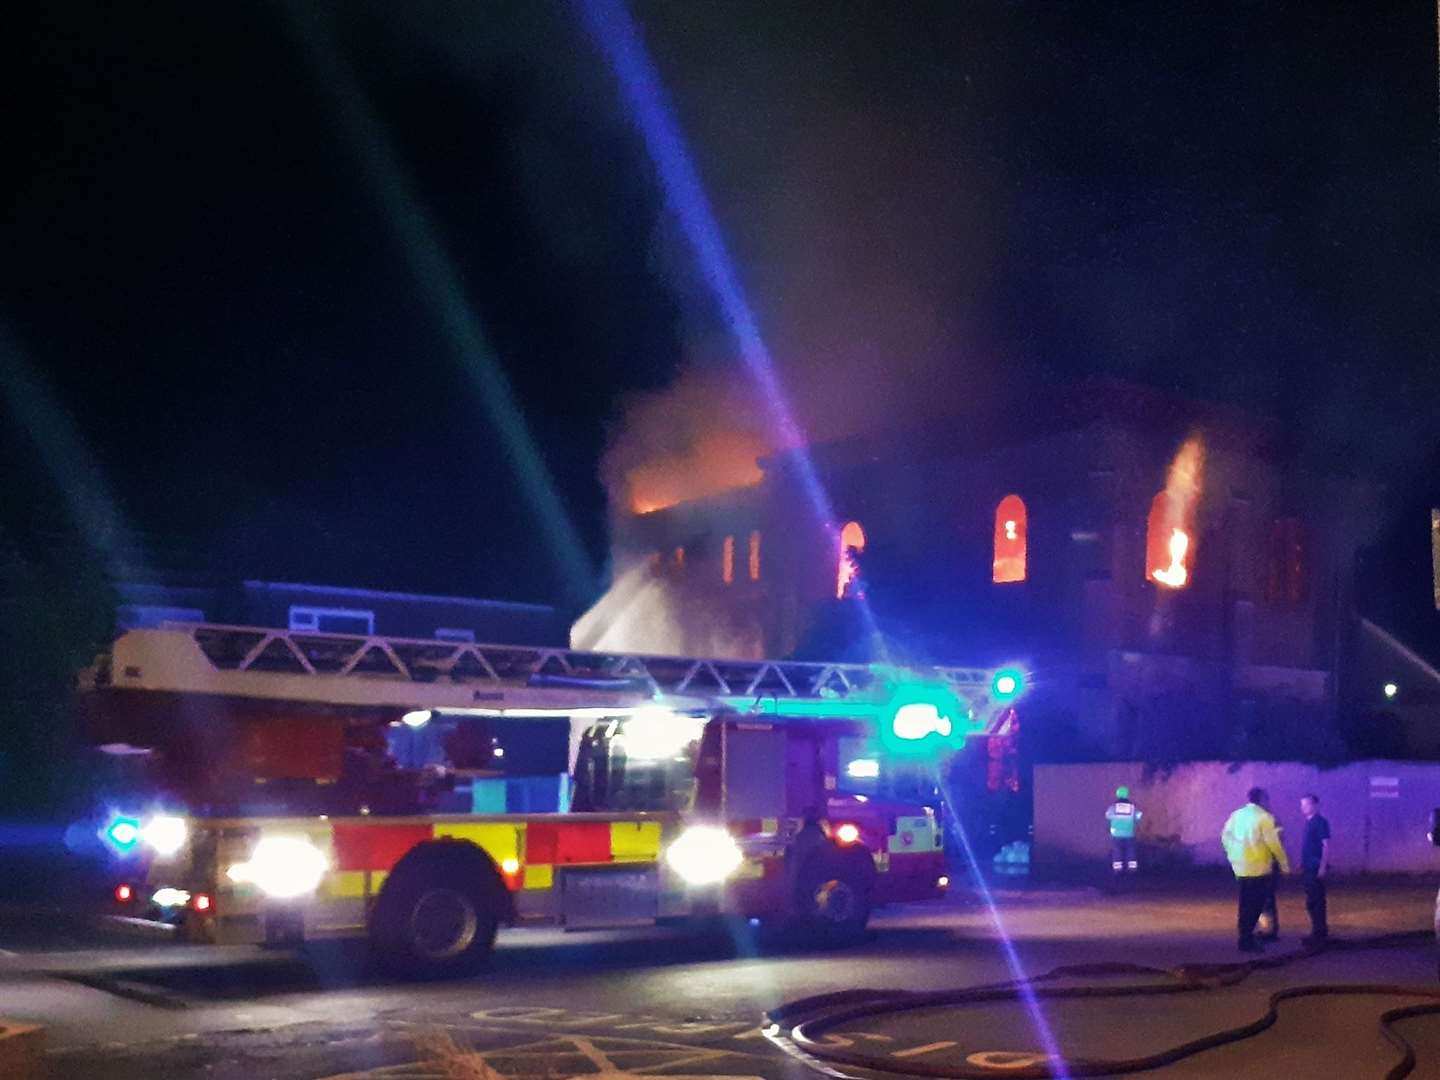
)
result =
(423, 793)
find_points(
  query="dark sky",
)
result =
(238, 242)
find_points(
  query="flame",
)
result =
(852, 542)
(1169, 544)
(717, 461)
(1175, 575)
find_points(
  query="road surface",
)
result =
(664, 1003)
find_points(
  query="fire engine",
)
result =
(423, 793)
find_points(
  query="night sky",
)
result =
(236, 239)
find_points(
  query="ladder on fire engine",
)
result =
(342, 669)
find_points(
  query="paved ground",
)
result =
(667, 1004)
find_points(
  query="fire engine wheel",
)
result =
(834, 900)
(443, 924)
(435, 925)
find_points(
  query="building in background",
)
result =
(1181, 585)
(332, 609)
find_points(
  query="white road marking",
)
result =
(546, 1058)
(928, 1048)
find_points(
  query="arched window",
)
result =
(1285, 584)
(1169, 544)
(852, 542)
(1009, 564)
(755, 555)
(727, 561)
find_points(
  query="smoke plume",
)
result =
(642, 613)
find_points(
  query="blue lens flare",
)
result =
(1012, 958)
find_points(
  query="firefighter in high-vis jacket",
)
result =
(1124, 818)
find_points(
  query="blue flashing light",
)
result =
(123, 833)
(1007, 684)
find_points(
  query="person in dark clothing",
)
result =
(1314, 866)
(811, 843)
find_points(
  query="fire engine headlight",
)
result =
(282, 867)
(704, 855)
(164, 835)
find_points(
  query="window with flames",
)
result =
(847, 578)
(1010, 560)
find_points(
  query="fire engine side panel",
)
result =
(912, 861)
(532, 855)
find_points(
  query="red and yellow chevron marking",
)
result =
(526, 852)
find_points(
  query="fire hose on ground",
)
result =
(801, 1027)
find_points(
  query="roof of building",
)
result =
(1050, 409)
(385, 594)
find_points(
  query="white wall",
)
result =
(1378, 810)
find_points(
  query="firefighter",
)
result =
(1124, 817)
(811, 844)
(811, 841)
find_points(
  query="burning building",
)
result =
(1171, 573)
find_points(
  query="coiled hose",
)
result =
(801, 1026)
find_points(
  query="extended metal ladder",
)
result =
(303, 665)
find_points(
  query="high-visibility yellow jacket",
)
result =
(1252, 842)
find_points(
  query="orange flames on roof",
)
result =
(717, 461)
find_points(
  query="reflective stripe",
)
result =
(499, 840)
(587, 842)
(539, 876)
(345, 884)
(751, 870)
(634, 841)
(376, 847)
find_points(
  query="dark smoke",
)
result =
(931, 211)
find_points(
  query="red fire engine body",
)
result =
(693, 788)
